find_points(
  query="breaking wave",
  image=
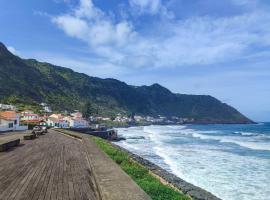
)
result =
(208, 156)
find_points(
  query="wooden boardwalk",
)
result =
(53, 166)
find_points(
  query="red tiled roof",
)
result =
(8, 115)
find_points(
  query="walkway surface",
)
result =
(53, 166)
(13, 135)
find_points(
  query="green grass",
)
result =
(140, 174)
(70, 133)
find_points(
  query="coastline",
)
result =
(168, 178)
(183, 124)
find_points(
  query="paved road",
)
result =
(52, 166)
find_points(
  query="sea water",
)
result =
(230, 161)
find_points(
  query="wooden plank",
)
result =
(33, 185)
(56, 174)
(69, 176)
(41, 194)
(11, 183)
(65, 180)
(28, 187)
(52, 167)
(60, 176)
(49, 186)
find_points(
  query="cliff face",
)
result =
(33, 81)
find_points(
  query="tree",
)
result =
(88, 110)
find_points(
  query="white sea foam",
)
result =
(243, 142)
(200, 157)
(246, 133)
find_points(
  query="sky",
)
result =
(219, 48)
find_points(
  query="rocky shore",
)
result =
(195, 192)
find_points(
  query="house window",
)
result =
(10, 125)
(15, 122)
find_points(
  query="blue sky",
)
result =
(221, 48)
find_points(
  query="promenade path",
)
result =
(53, 166)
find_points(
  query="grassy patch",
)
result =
(140, 174)
(69, 133)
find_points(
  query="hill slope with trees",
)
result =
(31, 82)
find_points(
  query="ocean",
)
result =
(230, 161)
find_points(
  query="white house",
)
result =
(122, 119)
(57, 121)
(10, 121)
(7, 107)
(77, 115)
(138, 118)
(29, 115)
(73, 121)
(46, 108)
(78, 123)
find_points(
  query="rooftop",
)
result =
(10, 115)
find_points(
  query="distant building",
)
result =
(78, 123)
(105, 118)
(76, 114)
(29, 117)
(7, 107)
(57, 121)
(138, 118)
(73, 121)
(46, 108)
(122, 119)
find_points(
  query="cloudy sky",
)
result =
(221, 48)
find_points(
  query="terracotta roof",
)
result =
(8, 115)
(58, 116)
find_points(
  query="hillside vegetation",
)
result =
(27, 81)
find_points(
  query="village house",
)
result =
(29, 117)
(139, 118)
(122, 119)
(10, 121)
(57, 121)
(7, 107)
(46, 108)
(76, 121)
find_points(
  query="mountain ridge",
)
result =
(65, 89)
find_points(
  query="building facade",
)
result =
(10, 121)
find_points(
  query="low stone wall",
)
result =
(195, 192)
(5, 145)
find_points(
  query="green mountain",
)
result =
(30, 81)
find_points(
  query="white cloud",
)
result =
(91, 25)
(171, 43)
(151, 6)
(12, 50)
(74, 27)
